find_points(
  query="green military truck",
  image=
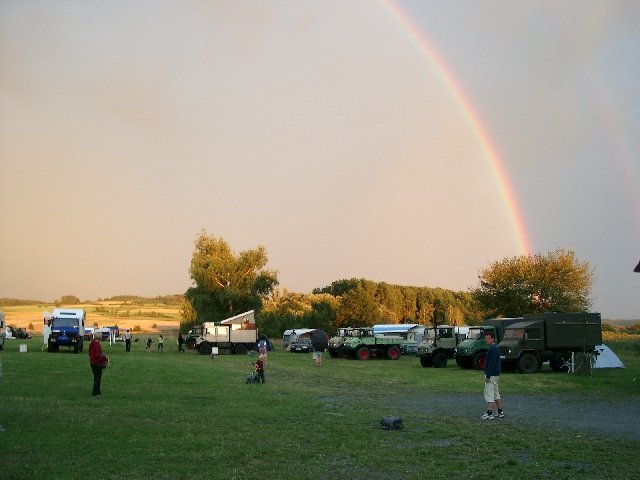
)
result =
(363, 344)
(435, 350)
(549, 337)
(471, 352)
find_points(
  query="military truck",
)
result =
(471, 352)
(363, 344)
(551, 337)
(436, 348)
(336, 343)
(237, 335)
(64, 327)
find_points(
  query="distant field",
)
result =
(164, 317)
(621, 323)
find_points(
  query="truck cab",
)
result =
(65, 327)
(472, 351)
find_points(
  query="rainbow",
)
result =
(478, 130)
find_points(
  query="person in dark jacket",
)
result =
(98, 361)
(492, 378)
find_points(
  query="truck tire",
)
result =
(204, 349)
(363, 353)
(463, 362)
(393, 353)
(426, 362)
(439, 360)
(76, 348)
(561, 363)
(333, 353)
(240, 349)
(191, 345)
(528, 363)
(478, 360)
(49, 347)
(342, 353)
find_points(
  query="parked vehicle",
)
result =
(191, 337)
(65, 327)
(363, 344)
(302, 345)
(471, 352)
(336, 343)
(237, 334)
(435, 350)
(415, 336)
(551, 337)
(20, 333)
(300, 333)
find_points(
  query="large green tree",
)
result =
(531, 284)
(227, 284)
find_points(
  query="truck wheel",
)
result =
(205, 350)
(439, 360)
(75, 348)
(363, 353)
(528, 363)
(426, 361)
(561, 363)
(393, 353)
(463, 362)
(342, 353)
(241, 350)
(191, 345)
(49, 347)
(478, 360)
(333, 353)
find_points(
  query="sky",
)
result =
(406, 142)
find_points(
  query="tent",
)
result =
(606, 358)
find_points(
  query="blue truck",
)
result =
(64, 328)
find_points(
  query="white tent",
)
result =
(606, 358)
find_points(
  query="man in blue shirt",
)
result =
(491, 378)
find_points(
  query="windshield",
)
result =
(475, 333)
(514, 333)
(65, 322)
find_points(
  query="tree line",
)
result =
(227, 284)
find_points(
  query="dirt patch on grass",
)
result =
(616, 418)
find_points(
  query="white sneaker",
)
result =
(487, 416)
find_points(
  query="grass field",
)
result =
(184, 415)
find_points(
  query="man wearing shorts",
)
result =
(492, 378)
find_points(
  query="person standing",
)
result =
(160, 344)
(127, 341)
(262, 349)
(317, 356)
(180, 342)
(148, 345)
(492, 378)
(98, 361)
(293, 338)
(260, 370)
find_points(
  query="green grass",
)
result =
(186, 416)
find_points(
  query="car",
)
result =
(302, 345)
(21, 333)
